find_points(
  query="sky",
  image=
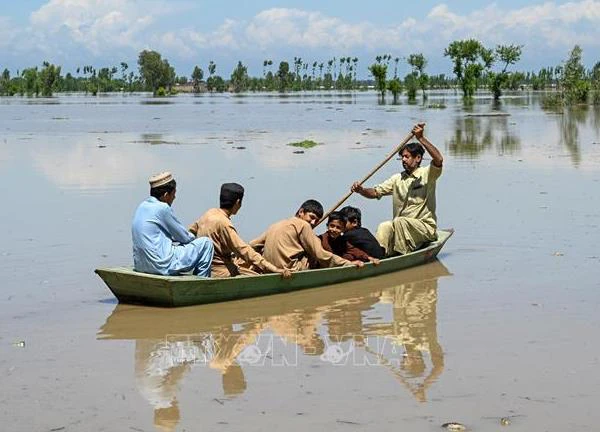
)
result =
(100, 33)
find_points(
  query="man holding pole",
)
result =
(413, 192)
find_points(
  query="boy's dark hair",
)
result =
(312, 206)
(414, 149)
(337, 215)
(353, 214)
(230, 193)
(159, 191)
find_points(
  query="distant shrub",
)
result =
(552, 101)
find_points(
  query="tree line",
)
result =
(474, 67)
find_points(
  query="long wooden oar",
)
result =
(367, 177)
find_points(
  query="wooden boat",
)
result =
(133, 287)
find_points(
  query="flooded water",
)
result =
(503, 325)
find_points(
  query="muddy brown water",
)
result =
(503, 325)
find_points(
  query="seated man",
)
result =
(155, 228)
(413, 190)
(334, 240)
(216, 225)
(358, 236)
(292, 244)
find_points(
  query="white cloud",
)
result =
(98, 25)
(536, 25)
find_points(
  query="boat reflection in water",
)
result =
(329, 322)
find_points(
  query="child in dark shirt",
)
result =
(360, 237)
(334, 240)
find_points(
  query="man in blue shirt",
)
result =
(155, 228)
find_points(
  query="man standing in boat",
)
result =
(155, 228)
(413, 191)
(233, 256)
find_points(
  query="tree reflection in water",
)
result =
(474, 135)
(570, 121)
(228, 337)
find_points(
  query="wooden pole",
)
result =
(367, 177)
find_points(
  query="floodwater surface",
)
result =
(502, 326)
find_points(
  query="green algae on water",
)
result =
(306, 144)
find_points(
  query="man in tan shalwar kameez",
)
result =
(232, 256)
(414, 221)
(292, 244)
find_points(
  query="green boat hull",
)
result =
(133, 287)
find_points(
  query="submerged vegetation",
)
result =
(306, 144)
(473, 66)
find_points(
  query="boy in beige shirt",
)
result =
(292, 244)
(232, 256)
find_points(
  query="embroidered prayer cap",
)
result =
(160, 179)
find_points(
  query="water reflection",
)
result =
(91, 164)
(378, 321)
(475, 134)
(570, 122)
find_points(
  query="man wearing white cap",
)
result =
(155, 228)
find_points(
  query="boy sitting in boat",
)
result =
(334, 240)
(233, 256)
(358, 236)
(292, 244)
(155, 228)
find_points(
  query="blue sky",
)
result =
(105, 32)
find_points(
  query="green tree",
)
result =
(395, 87)
(239, 78)
(379, 72)
(575, 87)
(197, 75)
(31, 81)
(596, 84)
(418, 63)
(283, 76)
(471, 59)
(411, 82)
(506, 55)
(5, 83)
(155, 72)
(49, 77)
(214, 82)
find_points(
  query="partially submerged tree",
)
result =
(379, 72)
(214, 82)
(575, 87)
(197, 75)
(596, 84)
(411, 82)
(471, 59)
(239, 78)
(284, 77)
(155, 71)
(31, 81)
(395, 87)
(506, 55)
(49, 78)
(418, 64)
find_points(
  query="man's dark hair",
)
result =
(159, 191)
(414, 149)
(230, 193)
(353, 214)
(312, 206)
(337, 215)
